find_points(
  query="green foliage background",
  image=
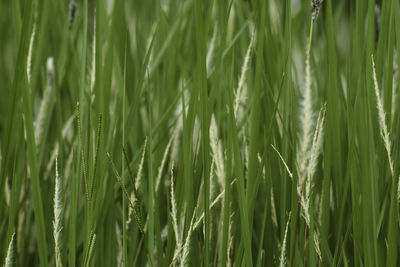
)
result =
(132, 66)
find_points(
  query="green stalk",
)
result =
(21, 84)
(124, 232)
(150, 185)
(205, 120)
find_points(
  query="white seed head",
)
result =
(29, 59)
(186, 246)
(10, 258)
(307, 115)
(316, 5)
(283, 161)
(138, 180)
(57, 223)
(282, 259)
(174, 211)
(382, 119)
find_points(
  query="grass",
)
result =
(199, 133)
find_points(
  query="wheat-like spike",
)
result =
(283, 161)
(318, 137)
(314, 154)
(382, 120)
(230, 239)
(10, 258)
(305, 209)
(383, 127)
(92, 241)
(57, 223)
(29, 58)
(174, 211)
(185, 253)
(307, 122)
(138, 180)
(282, 259)
(242, 79)
(317, 247)
(316, 147)
(316, 5)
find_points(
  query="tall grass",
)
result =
(199, 133)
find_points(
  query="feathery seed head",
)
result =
(174, 210)
(10, 258)
(306, 118)
(317, 142)
(140, 170)
(186, 246)
(316, 5)
(282, 259)
(57, 223)
(382, 119)
(317, 247)
(283, 161)
(29, 59)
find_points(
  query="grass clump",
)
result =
(199, 133)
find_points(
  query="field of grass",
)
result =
(199, 133)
